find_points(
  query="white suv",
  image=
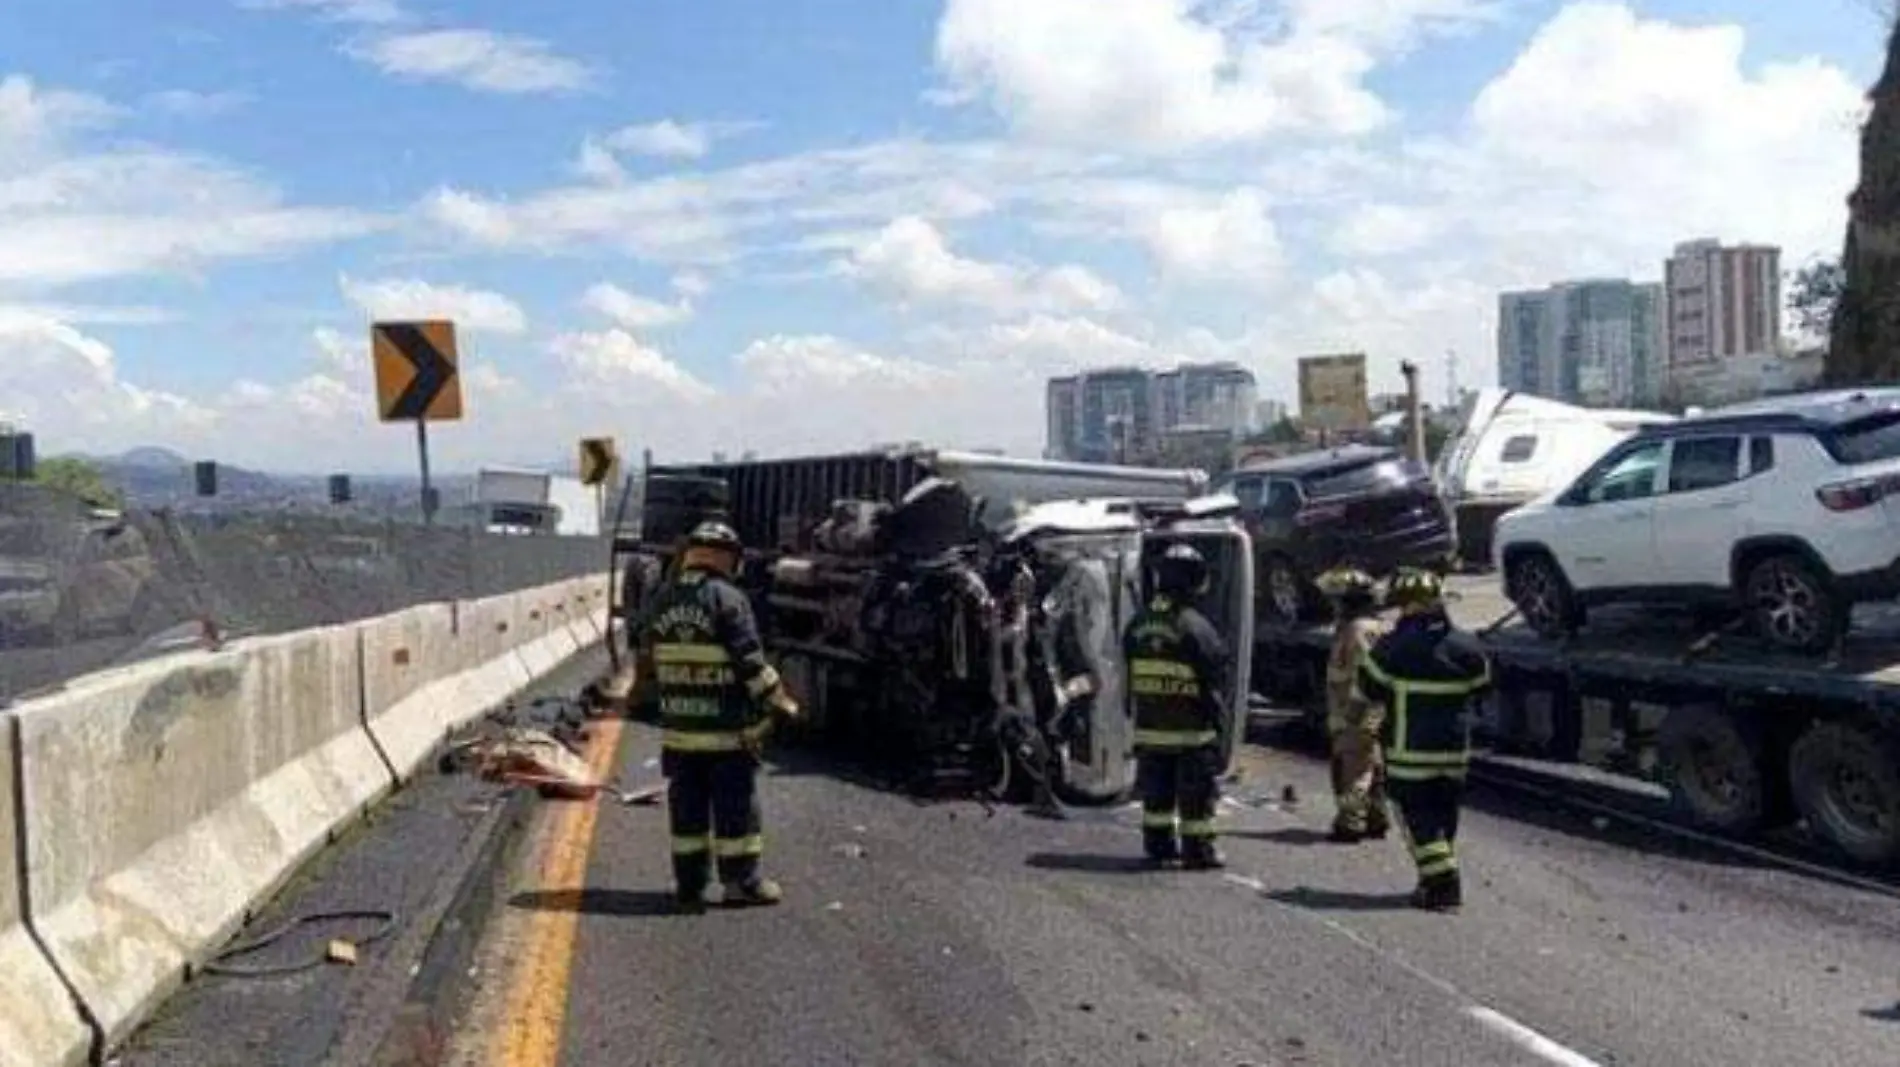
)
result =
(1788, 508)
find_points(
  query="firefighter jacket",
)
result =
(1428, 675)
(1346, 705)
(709, 667)
(1176, 677)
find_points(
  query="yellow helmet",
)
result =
(1415, 590)
(1343, 581)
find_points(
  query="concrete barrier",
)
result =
(39, 1025)
(412, 671)
(161, 804)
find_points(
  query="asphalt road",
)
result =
(943, 934)
(398, 859)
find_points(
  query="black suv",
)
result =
(1367, 506)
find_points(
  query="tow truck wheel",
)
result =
(1846, 783)
(1712, 763)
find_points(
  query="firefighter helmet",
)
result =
(1416, 590)
(1181, 569)
(1344, 581)
(713, 545)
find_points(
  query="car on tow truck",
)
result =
(1356, 504)
(1787, 509)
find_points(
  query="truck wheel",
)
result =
(1540, 592)
(1286, 591)
(1846, 783)
(1793, 604)
(1712, 763)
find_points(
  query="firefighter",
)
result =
(716, 694)
(1427, 674)
(1353, 722)
(1177, 684)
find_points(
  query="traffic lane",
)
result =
(939, 934)
(1624, 944)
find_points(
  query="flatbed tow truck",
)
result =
(1745, 740)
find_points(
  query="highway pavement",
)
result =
(945, 933)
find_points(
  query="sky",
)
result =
(821, 225)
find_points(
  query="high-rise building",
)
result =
(1595, 342)
(1064, 408)
(1218, 396)
(1117, 414)
(1721, 302)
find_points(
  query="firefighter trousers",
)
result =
(713, 808)
(1359, 784)
(1428, 812)
(1179, 790)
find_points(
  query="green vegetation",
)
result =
(79, 478)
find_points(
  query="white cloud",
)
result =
(371, 12)
(191, 103)
(65, 385)
(635, 312)
(474, 310)
(615, 361)
(30, 116)
(666, 138)
(1375, 230)
(1165, 75)
(596, 163)
(70, 213)
(476, 59)
(910, 262)
(691, 284)
(1232, 238)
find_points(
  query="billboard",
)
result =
(1333, 392)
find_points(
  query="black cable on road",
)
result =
(386, 921)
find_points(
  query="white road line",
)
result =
(1528, 1039)
(1498, 1023)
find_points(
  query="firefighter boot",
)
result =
(1201, 855)
(1440, 892)
(753, 893)
(690, 899)
(1159, 847)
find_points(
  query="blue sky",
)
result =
(825, 224)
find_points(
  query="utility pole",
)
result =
(1414, 425)
(1451, 379)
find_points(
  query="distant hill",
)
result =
(160, 478)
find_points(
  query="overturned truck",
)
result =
(953, 618)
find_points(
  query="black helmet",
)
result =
(714, 534)
(1182, 569)
(712, 546)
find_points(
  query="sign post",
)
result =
(417, 381)
(600, 460)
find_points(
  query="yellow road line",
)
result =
(538, 989)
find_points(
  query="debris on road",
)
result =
(539, 746)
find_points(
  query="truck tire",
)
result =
(1845, 778)
(1542, 595)
(1713, 763)
(1793, 604)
